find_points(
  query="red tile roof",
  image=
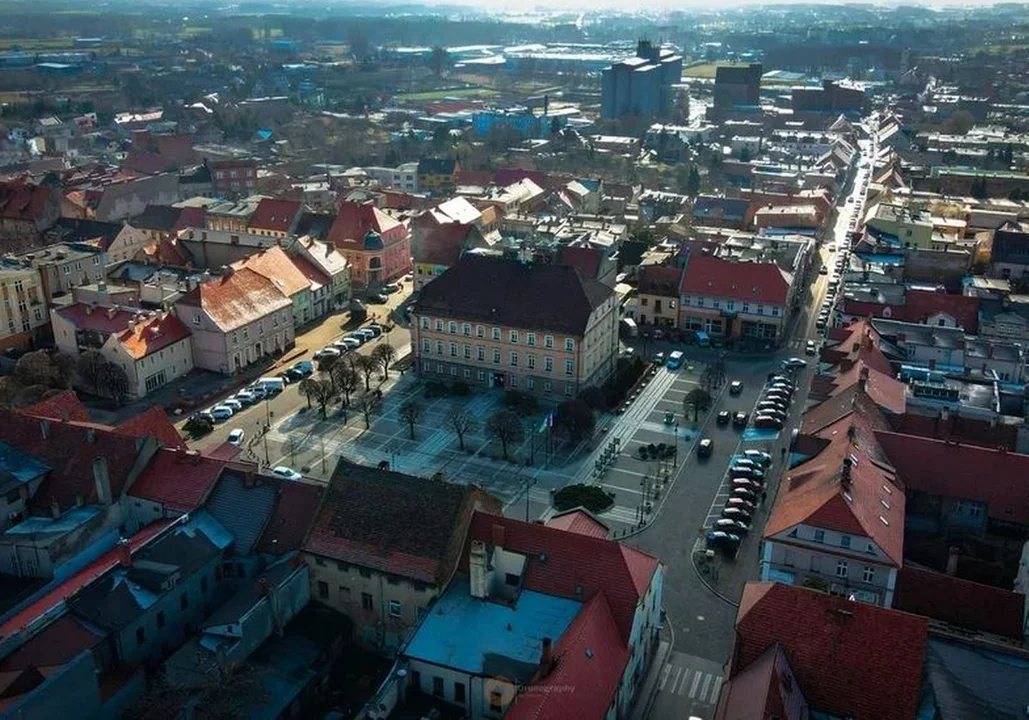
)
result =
(744, 281)
(178, 480)
(294, 512)
(763, 689)
(152, 333)
(152, 422)
(573, 561)
(101, 319)
(274, 264)
(237, 299)
(65, 405)
(225, 451)
(35, 610)
(59, 643)
(191, 217)
(354, 220)
(852, 659)
(591, 660)
(812, 493)
(70, 448)
(275, 215)
(443, 244)
(937, 467)
(315, 276)
(659, 280)
(971, 431)
(20, 200)
(958, 602)
(579, 521)
(919, 306)
(586, 259)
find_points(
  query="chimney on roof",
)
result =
(863, 378)
(124, 553)
(102, 480)
(477, 570)
(845, 473)
(111, 312)
(546, 657)
(953, 554)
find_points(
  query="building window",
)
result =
(496, 356)
(467, 374)
(439, 326)
(569, 367)
(481, 375)
(466, 330)
(453, 349)
(548, 364)
(425, 323)
(548, 341)
(819, 536)
(530, 338)
(513, 336)
(467, 351)
(746, 307)
(480, 353)
(437, 686)
(140, 636)
(569, 390)
(530, 383)
(480, 331)
(439, 347)
(868, 574)
(514, 359)
(730, 305)
(841, 569)
(546, 386)
(366, 601)
(845, 541)
(569, 344)
(531, 360)
(452, 327)
(459, 693)
(496, 333)
(426, 345)
(395, 609)
(323, 590)
(700, 302)
(775, 312)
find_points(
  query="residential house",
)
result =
(1009, 256)
(277, 266)
(711, 211)
(327, 270)
(377, 247)
(124, 198)
(232, 215)
(534, 608)
(378, 557)
(733, 300)
(62, 266)
(657, 295)
(275, 218)
(236, 320)
(153, 350)
(541, 328)
(907, 226)
(800, 653)
(437, 176)
(438, 249)
(213, 249)
(233, 178)
(23, 315)
(162, 222)
(598, 263)
(26, 212)
(154, 598)
(927, 307)
(175, 482)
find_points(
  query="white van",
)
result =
(272, 385)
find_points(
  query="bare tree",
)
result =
(410, 412)
(115, 381)
(366, 365)
(698, 399)
(368, 404)
(90, 366)
(461, 423)
(386, 354)
(318, 390)
(345, 379)
(308, 389)
(506, 426)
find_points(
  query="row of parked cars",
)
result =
(773, 407)
(266, 387)
(746, 490)
(835, 287)
(349, 342)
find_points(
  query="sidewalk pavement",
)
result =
(648, 690)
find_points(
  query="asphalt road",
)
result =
(699, 622)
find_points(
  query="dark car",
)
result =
(705, 448)
(766, 406)
(735, 387)
(722, 540)
(735, 513)
(743, 493)
(768, 421)
(723, 417)
(750, 473)
(736, 527)
(739, 420)
(740, 504)
(746, 484)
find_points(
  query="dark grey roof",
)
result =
(317, 225)
(514, 294)
(244, 511)
(233, 610)
(968, 682)
(436, 166)
(710, 207)
(157, 217)
(72, 230)
(1010, 246)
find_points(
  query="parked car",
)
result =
(286, 473)
(759, 456)
(669, 417)
(745, 484)
(743, 493)
(705, 448)
(236, 405)
(740, 504)
(736, 527)
(375, 330)
(327, 352)
(723, 417)
(285, 377)
(236, 437)
(367, 333)
(743, 462)
(736, 513)
(246, 397)
(747, 473)
(658, 359)
(811, 348)
(735, 387)
(391, 288)
(722, 541)
(794, 363)
(206, 415)
(221, 412)
(768, 421)
(271, 385)
(293, 374)
(739, 420)
(378, 298)
(352, 343)
(823, 270)
(304, 367)
(766, 406)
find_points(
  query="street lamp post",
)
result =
(675, 459)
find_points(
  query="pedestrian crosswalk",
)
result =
(689, 687)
